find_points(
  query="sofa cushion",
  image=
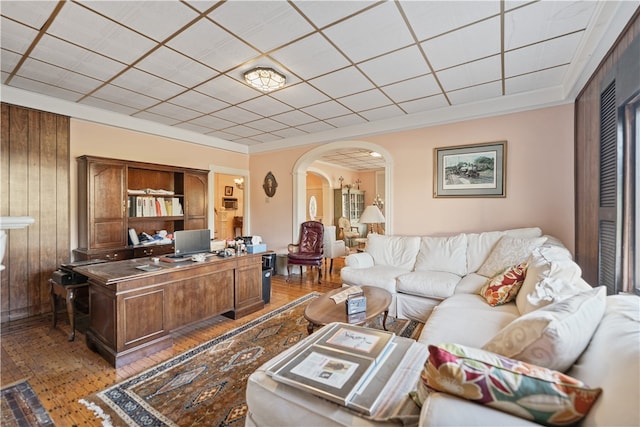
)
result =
(479, 245)
(526, 390)
(447, 254)
(612, 361)
(397, 251)
(553, 336)
(551, 276)
(471, 284)
(466, 319)
(433, 284)
(509, 251)
(381, 276)
(504, 287)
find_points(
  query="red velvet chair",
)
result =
(310, 250)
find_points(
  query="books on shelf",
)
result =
(343, 363)
(149, 206)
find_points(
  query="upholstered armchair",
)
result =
(332, 248)
(309, 251)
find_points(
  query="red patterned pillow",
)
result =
(504, 287)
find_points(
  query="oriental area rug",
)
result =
(206, 386)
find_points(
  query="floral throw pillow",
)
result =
(525, 390)
(504, 287)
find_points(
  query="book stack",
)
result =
(148, 206)
(343, 363)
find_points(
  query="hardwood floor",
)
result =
(62, 372)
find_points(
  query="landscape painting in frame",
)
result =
(476, 170)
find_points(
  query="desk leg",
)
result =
(71, 296)
(384, 320)
(53, 304)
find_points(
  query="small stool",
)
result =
(68, 292)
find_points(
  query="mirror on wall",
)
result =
(229, 203)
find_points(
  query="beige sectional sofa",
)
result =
(556, 321)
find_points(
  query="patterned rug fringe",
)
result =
(99, 413)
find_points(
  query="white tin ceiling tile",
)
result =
(242, 131)
(156, 19)
(99, 34)
(261, 23)
(315, 127)
(405, 63)
(192, 127)
(32, 13)
(323, 13)
(467, 44)
(476, 93)
(146, 115)
(44, 89)
(212, 46)
(143, 82)
(424, 104)
(300, 95)
(212, 122)
(412, 89)
(473, 73)
(198, 102)
(348, 120)
(266, 125)
(365, 100)
(222, 135)
(293, 118)
(310, 57)
(8, 61)
(231, 90)
(542, 55)
(175, 67)
(56, 76)
(266, 137)
(431, 18)
(342, 83)
(534, 81)
(371, 33)
(247, 141)
(201, 5)
(382, 113)
(326, 110)
(544, 20)
(125, 97)
(289, 133)
(236, 115)
(171, 110)
(16, 37)
(265, 106)
(107, 105)
(75, 58)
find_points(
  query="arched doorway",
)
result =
(304, 162)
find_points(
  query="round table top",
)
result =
(323, 310)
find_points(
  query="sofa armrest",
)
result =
(441, 409)
(359, 260)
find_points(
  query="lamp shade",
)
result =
(371, 215)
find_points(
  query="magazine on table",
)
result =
(338, 363)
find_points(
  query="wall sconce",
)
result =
(264, 79)
(239, 183)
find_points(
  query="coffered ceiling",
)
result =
(353, 68)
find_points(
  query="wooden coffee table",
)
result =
(323, 310)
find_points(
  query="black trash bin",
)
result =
(268, 264)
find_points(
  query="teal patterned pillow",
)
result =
(528, 391)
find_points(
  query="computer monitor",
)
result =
(189, 242)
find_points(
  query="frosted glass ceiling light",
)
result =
(264, 79)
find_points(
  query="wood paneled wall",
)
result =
(35, 182)
(587, 156)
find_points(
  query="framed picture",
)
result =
(477, 170)
(228, 190)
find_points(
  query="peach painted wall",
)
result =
(106, 141)
(540, 179)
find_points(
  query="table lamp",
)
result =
(370, 216)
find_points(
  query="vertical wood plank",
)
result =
(63, 203)
(4, 205)
(34, 231)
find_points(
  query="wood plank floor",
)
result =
(62, 372)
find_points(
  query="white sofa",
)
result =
(568, 326)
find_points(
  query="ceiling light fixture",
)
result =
(264, 79)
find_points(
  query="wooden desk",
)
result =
(132, 312)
